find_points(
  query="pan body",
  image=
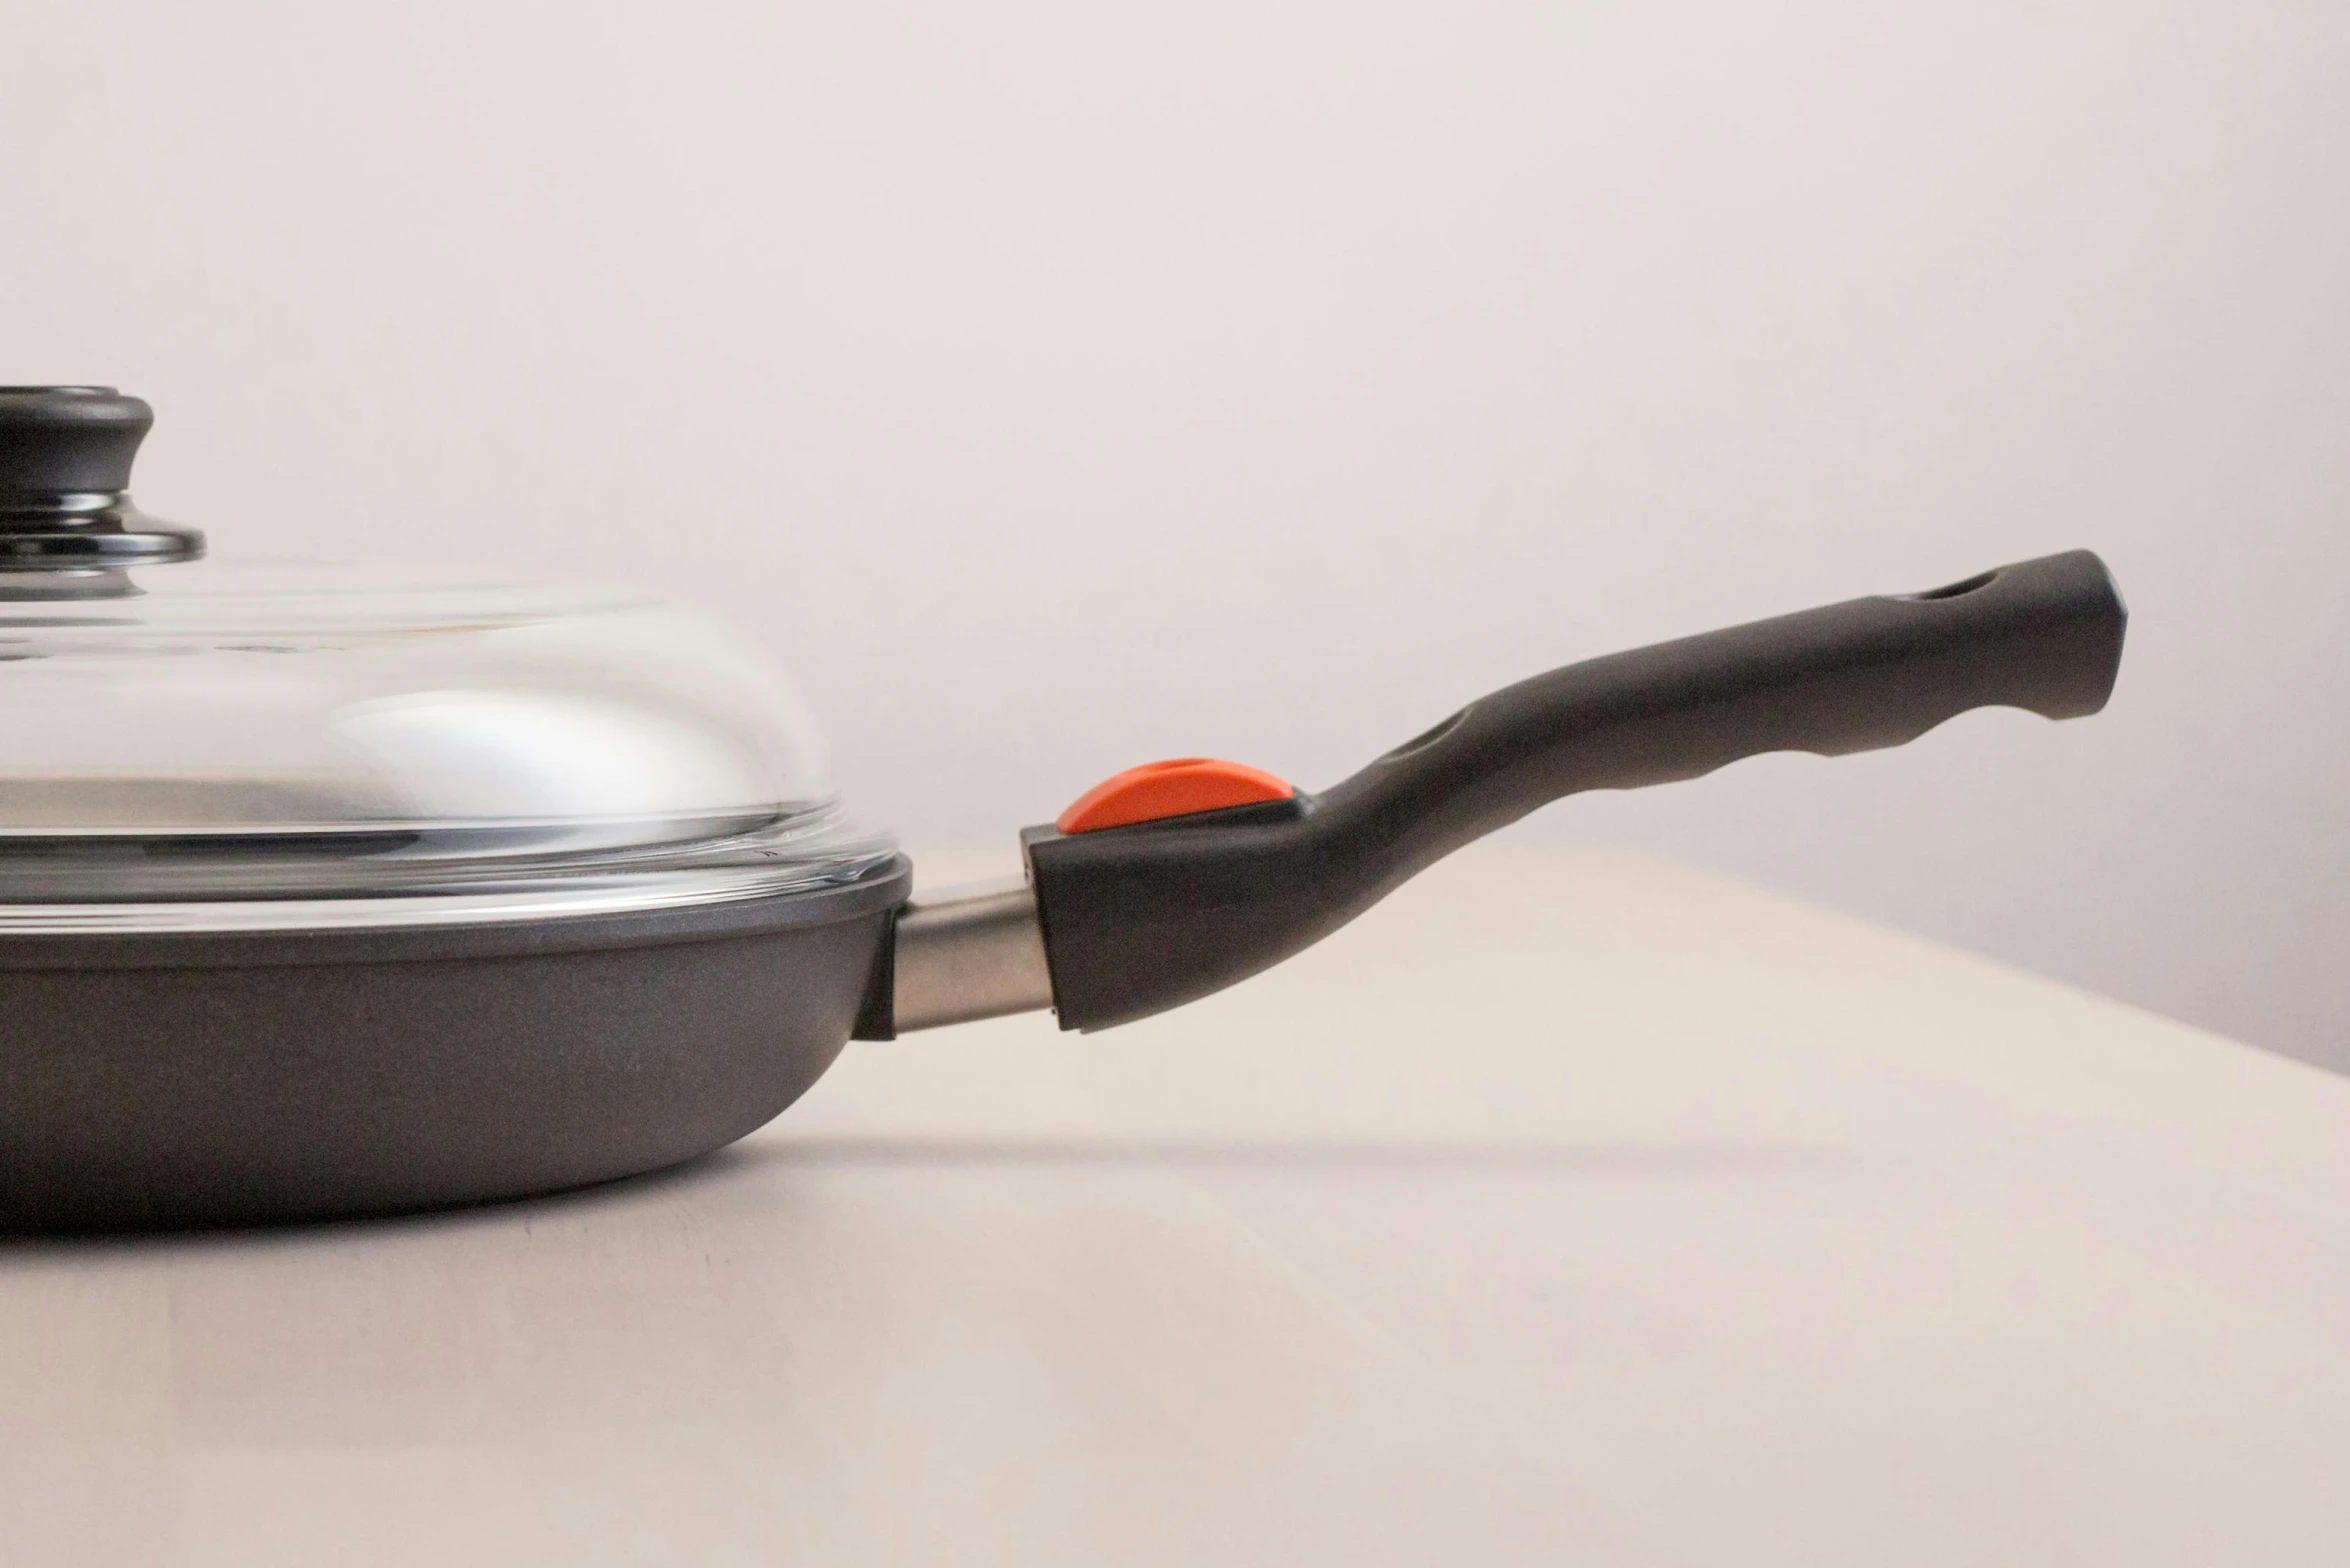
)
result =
(207, 1078)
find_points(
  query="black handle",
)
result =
(1140, 919)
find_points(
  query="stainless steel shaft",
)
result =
(969, 952)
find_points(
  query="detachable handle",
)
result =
(1141, 918)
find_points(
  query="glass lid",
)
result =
(189, 744)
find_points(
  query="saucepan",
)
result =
(326, 894)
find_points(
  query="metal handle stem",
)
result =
(969, 952)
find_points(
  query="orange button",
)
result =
(1174, 788)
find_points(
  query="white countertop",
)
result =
(1570, 1207)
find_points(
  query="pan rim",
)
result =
(882, 888)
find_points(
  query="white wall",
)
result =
(1057, 387)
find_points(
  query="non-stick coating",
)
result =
(190, 1079)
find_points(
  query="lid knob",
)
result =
(65, 473)
(67, 440)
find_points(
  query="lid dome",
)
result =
(203, 745)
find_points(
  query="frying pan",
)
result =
(181, 1077)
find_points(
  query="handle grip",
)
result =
(1139, 919)
(1867, 674)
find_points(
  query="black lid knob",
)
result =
(69, 440)
(65, 474)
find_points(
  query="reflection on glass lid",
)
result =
(227, 701)
(267, 732)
